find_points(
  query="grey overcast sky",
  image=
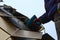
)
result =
(30, 8)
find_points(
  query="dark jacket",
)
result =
(51, 8)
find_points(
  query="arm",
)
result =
(49, 4)
(48, 15)
(44, 18)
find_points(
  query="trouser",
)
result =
(57, 24)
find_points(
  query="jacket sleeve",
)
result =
(46, 17)
(49, 4)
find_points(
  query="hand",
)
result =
(36, 25)
(36, 20)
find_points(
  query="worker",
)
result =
(52, 8)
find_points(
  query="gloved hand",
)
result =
(36, 25)
(37, 22)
